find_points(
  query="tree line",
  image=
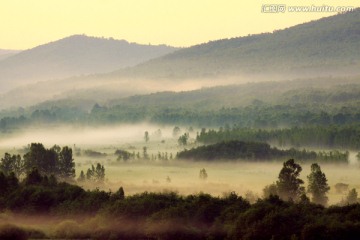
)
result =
(254, 115)
(286, 213)
(54, 162)
(332, 136)
(240, 150)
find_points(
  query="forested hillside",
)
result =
(295, 103)
(329, 45)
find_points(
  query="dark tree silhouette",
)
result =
(289, 183)
(66, 164)
(318, 186)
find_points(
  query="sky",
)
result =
(28, 23)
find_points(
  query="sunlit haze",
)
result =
(25, 24)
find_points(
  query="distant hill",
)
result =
(327, 90)
(5, 53)
(327, 46)
(75, 55)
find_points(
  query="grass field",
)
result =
(247, 179)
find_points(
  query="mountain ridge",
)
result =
(326, 46)
(75, 55)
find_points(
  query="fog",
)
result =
(102, 89)
(136, 176)
(245, 178)
(82, 135)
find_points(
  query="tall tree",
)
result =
(352, 197)
(183, 139)
(146, 136)
(96, 174)
(7, 164)
(176, 131)
(12, 163)
(318, 186)
(45, 160)
(81, 178)
(66, 164)
(99, 173)
(203, 174)
(289, 184)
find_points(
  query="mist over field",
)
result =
(113, 136)
(136, 176)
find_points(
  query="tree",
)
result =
(176, 131)
(7, 163)
(99, 173)
(90, 173)
(33, 177)
(45, 160)
(81, 177)
(352, 197)
(183, 139)
(145, 154)
(122, 155)
(289, 184)
(66, 164)
(146, 136)
(203, 174)
(96, 174)
(119, 194)
(12, 163)
(270, 190)
(318, 186)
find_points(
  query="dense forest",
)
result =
(291, 103)
(332, 136)
(303, 48)
(252, 151)
(285, 212)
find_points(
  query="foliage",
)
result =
(302, 49)
(331, 136)
(168, 215)
(81, 177)
(94, 154)
(146, 136)
(235, 150)
(123, 155)
(54, 161)
(318, 186)
(96, 174)
(300, 103)
(203, 174)
(12, 163)
(289, 184)
(183, 139)
(352, 197)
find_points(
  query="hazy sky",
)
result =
(28, 23)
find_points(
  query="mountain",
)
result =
(323, 47)
(74, 55)
(5, 53)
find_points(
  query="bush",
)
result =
(12, 232)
